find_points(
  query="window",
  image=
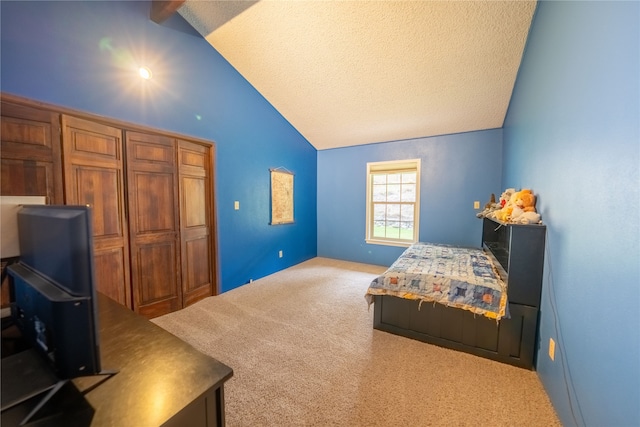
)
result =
(393, 202)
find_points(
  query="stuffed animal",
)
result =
(507, 200)
(518, 207)
(518, 216)
(504, 214)
(525, 200)
(524, 210)
(491, 202)
(489, 207)
(505, 197)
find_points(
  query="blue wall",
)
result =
(456, 170)
(572, 134)
(82, 55)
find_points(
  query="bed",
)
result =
(482, 301)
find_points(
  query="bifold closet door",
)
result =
(195, 221)
(94, 176)
(153, 223)
(30, 159)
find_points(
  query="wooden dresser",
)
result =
(161, 381)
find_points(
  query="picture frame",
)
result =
(282, 201)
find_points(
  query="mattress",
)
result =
(460, 277)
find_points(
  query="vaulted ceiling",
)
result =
(346, 73)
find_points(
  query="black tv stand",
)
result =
(27, 375)
(52, 391)
(105, 374)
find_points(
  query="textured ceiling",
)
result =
(357, 72)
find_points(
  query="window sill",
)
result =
(389, 243)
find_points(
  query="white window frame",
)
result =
(394, 166)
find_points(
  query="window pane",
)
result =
(407, 214)
(393, 192)
(379, 193)
(380, 213)
(379, 179)
(393, 229)
(394, 178)
(393, 212)
(406, 230)
(409, 178)
(408, 192)
(378, 228)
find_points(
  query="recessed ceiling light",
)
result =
(144, 72)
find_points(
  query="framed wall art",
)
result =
(281, 196)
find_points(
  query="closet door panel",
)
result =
(153, 193)
(110, 268)
(156, 262)
(99, 188)
(30, 153)
(153, 225)
(32, 129)
(195, 217)
(26, 178)
(195, 201)
(197, 283)
(94, 176)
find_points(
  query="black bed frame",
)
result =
(519, 251)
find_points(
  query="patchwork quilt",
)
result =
(455, 276)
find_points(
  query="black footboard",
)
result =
(510, 341)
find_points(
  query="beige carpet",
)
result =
(304, 353)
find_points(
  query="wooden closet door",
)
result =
(195, 221)
(31, 162)
(94, 176)
(30, 159)
(154, 228)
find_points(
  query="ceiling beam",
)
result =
(161, 10)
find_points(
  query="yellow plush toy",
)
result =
(507, 200)
(521, 201)
(525, 200)
(505, 213)
(524, 210)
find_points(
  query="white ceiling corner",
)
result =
(347, 73)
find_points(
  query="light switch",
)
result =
(476, 204)
(236, 205)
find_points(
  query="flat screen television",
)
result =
(53, 287)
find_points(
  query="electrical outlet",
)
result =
(279, 254)
(476, 205)
(552, 349)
